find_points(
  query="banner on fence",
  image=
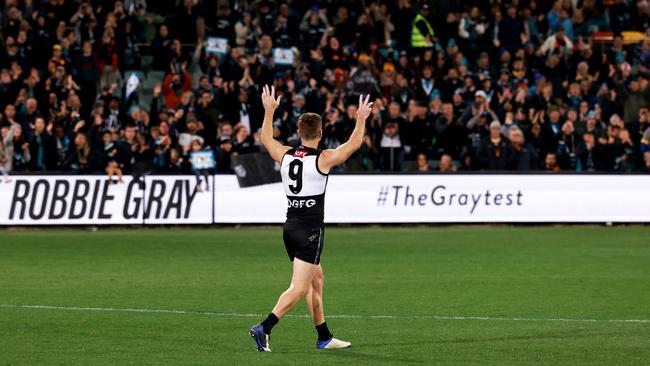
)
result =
(70, 200)
(450, 198)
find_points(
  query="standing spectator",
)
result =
(634, 96)
(422, 34)
(511, 29)
(588, 153)
(110, 158)
(79, 154)
(495, 153)
(526, 158)
(566, 147)
(175, 84)
(42, 148)
(390, 148)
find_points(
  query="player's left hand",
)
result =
(269, 101)
(365, 108)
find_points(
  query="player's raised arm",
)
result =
(270, 103)
(333, 157)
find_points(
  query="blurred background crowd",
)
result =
(136, 86)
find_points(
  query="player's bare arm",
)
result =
(333, 157)
(271, 104)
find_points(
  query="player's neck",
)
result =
(309, 143)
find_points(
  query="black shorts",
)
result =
(304, 240)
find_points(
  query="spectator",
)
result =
(495, 153)
(566, 148)
(559, 43)
(550, 163)
(422, 164)
(197, 145)
(111, 158)
(526, 158)
(446, 164)
(42, 148)
(587, 153)
(78, 157)
(175, 83)
(421, 32)
(242, 142)
(390, 148)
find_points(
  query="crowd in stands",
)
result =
(135, 86)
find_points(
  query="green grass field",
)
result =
(400, 295)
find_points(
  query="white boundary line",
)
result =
(341, 316)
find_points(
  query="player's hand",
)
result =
(269, 100)
(365, 107)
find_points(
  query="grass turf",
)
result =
(536, 272)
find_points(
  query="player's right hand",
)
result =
(269, 101)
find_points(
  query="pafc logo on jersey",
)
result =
(300, 153)
(301, 203)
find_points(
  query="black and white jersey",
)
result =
(304, 184)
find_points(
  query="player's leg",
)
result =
(303, 273)
(315, 304)
(300, 284)
(315, 297)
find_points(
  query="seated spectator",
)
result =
(550, 163)
(422, 164)
(446, 164)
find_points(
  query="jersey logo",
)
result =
(301, 203)
(300, 153)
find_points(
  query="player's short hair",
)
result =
(309, 125)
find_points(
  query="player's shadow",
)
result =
(353, 356)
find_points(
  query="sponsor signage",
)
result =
(70, 200)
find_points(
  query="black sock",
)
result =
(323, 333)
(269, 323)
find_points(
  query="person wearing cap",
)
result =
(480, 107)
(495, 153)
(421, 31)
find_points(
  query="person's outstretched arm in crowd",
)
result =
(154, 108)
